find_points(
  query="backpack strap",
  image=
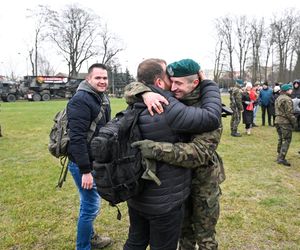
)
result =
(63, 160)
(94, 124)
(63, 172)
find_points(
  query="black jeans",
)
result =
(161, 232)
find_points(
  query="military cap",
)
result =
(286, 87)
(184, 67)
(239, 81)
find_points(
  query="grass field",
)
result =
(260, 206)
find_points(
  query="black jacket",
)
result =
(82, 109)
(168, 127)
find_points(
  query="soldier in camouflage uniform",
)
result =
(284, 122)
(236, 106)
(200, 154)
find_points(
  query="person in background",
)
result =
(284, 122)
(276, 93)
(89, 100)
(256, 88)
(236, 106)
(296, 89)
(265, 95)
(248, 98)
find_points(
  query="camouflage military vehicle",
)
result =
(9, 91)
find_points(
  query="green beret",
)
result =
(286, 87)
(184, 67)
(239, 81)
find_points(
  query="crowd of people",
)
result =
(278, 102)
(183, 210)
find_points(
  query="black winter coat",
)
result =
(82, 109)
(168, 127)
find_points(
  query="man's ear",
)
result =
(196, 82)
(158, 83)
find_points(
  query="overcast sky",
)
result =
(168, 29)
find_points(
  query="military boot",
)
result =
(284, 162)
(236, 134)
(99, 242)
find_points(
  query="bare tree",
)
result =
(257, 28)
(225, 30)
(268, 48)
(218, 65)
(74, 31)
(296, 48)
(31, 61)
(283, 28)
(110, 47)
(45, 66)
(242, 33)
(39, 15)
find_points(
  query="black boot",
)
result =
(236, 134)
(284, 162)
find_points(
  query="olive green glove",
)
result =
(147, 147)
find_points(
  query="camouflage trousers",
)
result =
(284, 139)
(202, 211)
(235, 120)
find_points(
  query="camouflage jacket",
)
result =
(133, 91)
(284, 111)
(198, 154)
(236, 98)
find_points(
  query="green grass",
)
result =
(259, 208)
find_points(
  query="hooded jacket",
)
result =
(82, 110)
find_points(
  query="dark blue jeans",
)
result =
(89, 208)
(161, 232)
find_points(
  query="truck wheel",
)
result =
(36, 97)
(46, 97)
(11, 98)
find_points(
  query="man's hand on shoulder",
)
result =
(154, 102)
(201, 75)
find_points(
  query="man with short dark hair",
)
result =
(156, 214)
(82, 109)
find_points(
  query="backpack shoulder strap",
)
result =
(94, 124)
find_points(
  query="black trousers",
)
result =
(161, 232)
(263, 114)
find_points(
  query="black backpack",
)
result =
(118, 167)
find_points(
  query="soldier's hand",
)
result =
(147, 148)
(154, 101)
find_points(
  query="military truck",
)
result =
(9, 91)
(44, 88)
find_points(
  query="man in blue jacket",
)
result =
(84, 107)
(265, 102)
